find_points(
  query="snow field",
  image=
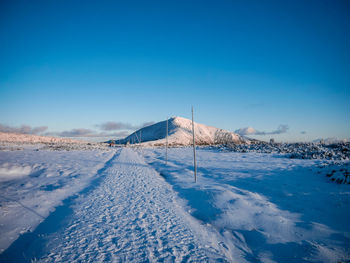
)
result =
(125, 205)
(274, 209)
(33, 183)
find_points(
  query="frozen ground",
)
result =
(126, 205)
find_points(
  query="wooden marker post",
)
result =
(194, 151)
(166, 145)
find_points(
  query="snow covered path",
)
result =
(132, 216)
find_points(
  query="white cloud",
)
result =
(116, 126)
(251, 131)
(245, 131)
(26, 129)
(81, 132)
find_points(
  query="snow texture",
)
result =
(272, 208)
(33, 183)
(132, 216)
(126, 205)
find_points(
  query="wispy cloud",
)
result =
(118, 134)
(26, 129)
(77, 133)
(251, 131)
(283, 128)
(107, 129)
(246, 131)
(117, 126)
(88, 133)
(145, 124)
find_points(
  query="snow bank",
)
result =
(9, 172)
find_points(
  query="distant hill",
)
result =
(30, 138)
(180, 133)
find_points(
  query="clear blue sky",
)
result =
(79, 64)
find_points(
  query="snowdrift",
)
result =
(180, 134)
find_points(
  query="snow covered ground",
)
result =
(272, 208)
(337, 151)
(33, 183)
(125, 204)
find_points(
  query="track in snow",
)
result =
(132, 215)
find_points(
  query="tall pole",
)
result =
(194, 151)
(166, 147)
(136, 138)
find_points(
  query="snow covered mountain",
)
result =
(180, 133)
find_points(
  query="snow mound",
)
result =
(180, 134)
(8, 172)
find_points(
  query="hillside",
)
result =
(180, 134)
(30, 138)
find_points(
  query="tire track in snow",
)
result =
(132, 216)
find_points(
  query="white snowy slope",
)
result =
(180, 133)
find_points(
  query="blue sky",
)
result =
(75, 65)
